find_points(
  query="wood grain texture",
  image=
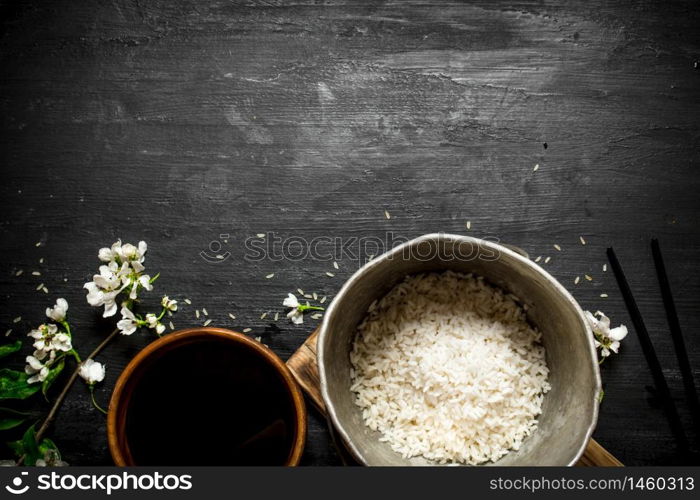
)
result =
(177, 122)
(304, 367)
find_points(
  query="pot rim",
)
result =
(118, 446)
(437, 237)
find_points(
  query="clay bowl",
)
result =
(154, 420)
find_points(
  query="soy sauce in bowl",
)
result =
(207, 399)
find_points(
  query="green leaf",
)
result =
(8, 349)
(49, 452)
(31, 449)
(17, 447)
(11, 411)
(47, 445)
(51, 377)
(11, 418)
(10, 423)
(13, 385)
(27, 447)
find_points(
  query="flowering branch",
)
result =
(120, 280)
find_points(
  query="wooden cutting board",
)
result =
(303, 366)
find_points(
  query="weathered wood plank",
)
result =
(176, 122)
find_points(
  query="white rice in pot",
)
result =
(447, 367)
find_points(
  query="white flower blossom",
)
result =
(606, 339)
(153, 323)
(291, 301)
(99, 298)
(128, 324)
(42, 336)
(37, 367)
(92, 371)
(296, 314)
(61, 342)
(124, 264)
(104, 287)
(131, 253)
(58, 312)
(143, 281)
(110, 254)
(48, 338)
(167, 303)
(112, 276)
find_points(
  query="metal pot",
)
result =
(570, 408)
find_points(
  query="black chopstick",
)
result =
(649, 353)
(674, 325)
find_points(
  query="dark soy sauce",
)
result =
(210, 402)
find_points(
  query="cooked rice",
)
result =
(446, 367)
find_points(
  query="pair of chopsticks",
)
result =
(648, 348)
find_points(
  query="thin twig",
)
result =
(57, 404)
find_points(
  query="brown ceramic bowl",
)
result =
(253, 351)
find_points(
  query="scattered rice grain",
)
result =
(583, 242)
(589, 278)
(246, 330)
(207, 323)
(17, 319)
(328, 273)
(230, 315)
(271, 275)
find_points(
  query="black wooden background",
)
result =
(177, 122)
